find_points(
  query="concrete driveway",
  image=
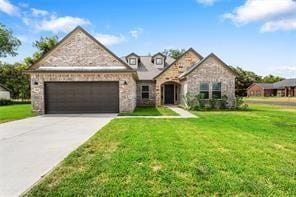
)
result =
(31, 147)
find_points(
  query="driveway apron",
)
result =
(31, 147)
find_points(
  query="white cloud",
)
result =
(108, 39)
(286, 71)
(254, 10)
(284, 25)
(206, 2)
(135, 33)
(60, 24)
(275, 14)
(38, 12)
(8, 8)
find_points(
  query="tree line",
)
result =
(13, 77)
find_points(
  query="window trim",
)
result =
(145, 91)
(161, 61)
(132, 58)
(220, 90)
(205, 91)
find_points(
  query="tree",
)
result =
(244, 80)
(13, 77)
(8, 43)
(271, 79)
(43, 45)
(174, 53)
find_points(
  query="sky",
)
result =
(257, 35)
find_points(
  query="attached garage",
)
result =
(81, 97)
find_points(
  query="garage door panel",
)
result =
(82, 97)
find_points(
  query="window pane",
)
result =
(216, 94)
(145, 88)
(216, 86)
(204, 95)
(158, 61)
(132, 61)
(204, 87)
(145, 95)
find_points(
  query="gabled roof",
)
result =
(131, 54)
(5, 88)
(146, 69)
(202, 61)
(35, 65)
(263, 85)
(159, 53)
(189, 50)
(285, 83)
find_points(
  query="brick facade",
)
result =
(79, 49)
(210, 71)
(174, 71)
(127, 87)
(151, 100)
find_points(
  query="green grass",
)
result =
(150, 111)
(15, 112)
(220, 153)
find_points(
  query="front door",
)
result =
(169, 94)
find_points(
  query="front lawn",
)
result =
(151, 111)
(15, 112)
(220, 153)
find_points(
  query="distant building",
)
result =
(286, 87)
(4, 92)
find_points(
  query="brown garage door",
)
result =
(81, 97)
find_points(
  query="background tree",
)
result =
(12, 75)
(174, 53)
(244, 80)
(271, 79)
(8, 43)
(43, 45)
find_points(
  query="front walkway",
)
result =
(31, 147)
(182, 114)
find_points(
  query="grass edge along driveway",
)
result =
(220, 153)
(15, 112)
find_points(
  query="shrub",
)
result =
(224, 103)
(5, 102)
(239, 103)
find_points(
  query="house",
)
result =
(4, 92)
(80, 75)
(286, 87)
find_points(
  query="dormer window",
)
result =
(132, 61)
(159, 61)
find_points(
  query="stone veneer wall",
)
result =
(172, 73)
(151, 100)
(127, 92)
(211, 71)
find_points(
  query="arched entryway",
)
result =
(170, 93)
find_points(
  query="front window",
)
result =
(216, 91)
(145, 92)
(204, 91)
(132, 61)
(158, 61)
